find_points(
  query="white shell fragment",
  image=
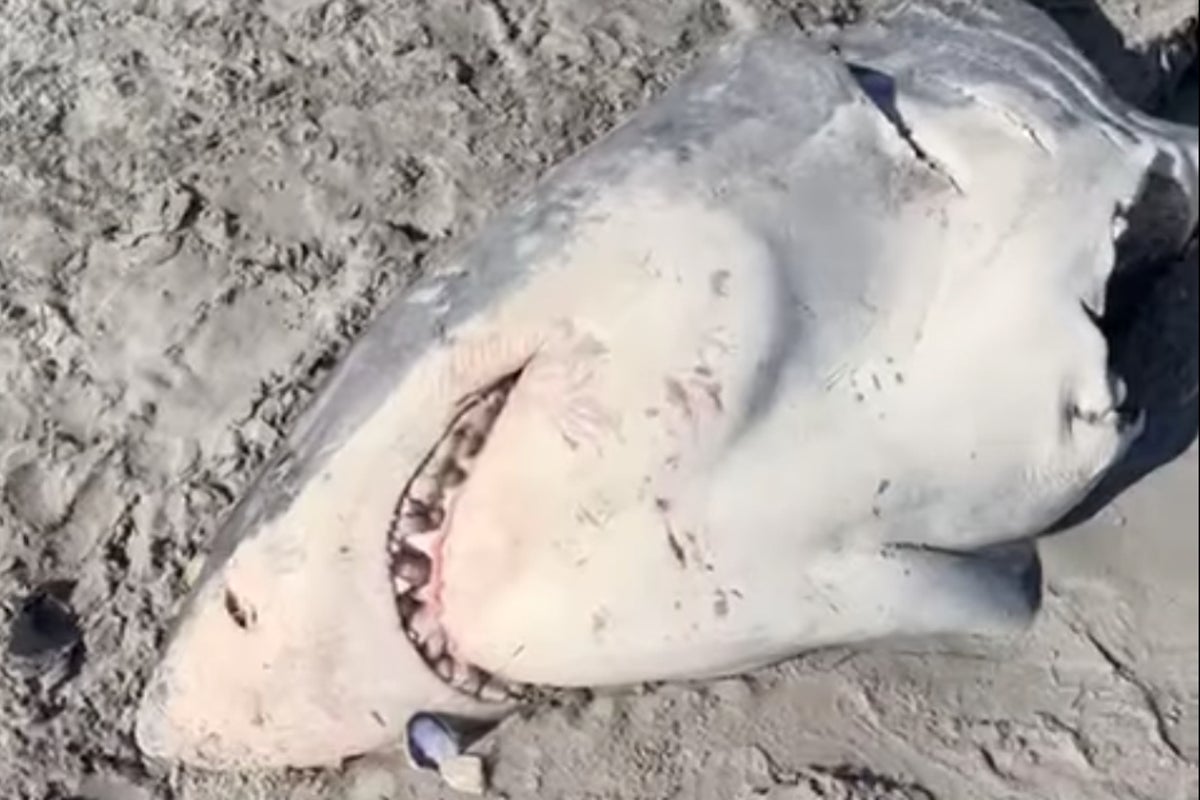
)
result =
(802, 355)
(465, 774)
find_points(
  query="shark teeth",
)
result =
(418, 528)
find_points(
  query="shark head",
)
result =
(785, 361)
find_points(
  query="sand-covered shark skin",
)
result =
(776, 365)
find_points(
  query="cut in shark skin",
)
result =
(786, 361)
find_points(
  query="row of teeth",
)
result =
(417, 528)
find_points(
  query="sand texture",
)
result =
(201, 204)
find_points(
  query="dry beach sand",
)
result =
(202, 202)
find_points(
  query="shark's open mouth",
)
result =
(418, 531)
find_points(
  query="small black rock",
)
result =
(44, 640)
